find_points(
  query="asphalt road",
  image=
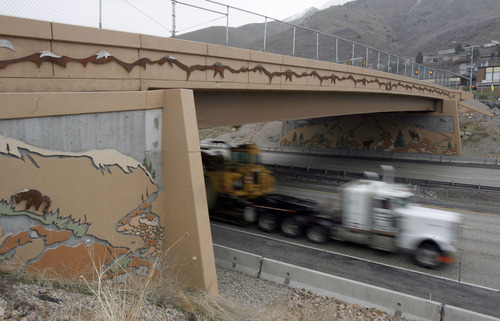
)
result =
(439, 289)
(472, 283)
(478, 258)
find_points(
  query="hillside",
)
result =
(403, 27)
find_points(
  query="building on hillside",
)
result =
(482, 63)
(432, 58)
(461, 58)
(493, 43)
(446, 52)
(465, 68)
(488, 75)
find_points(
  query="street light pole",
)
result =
(471, 62)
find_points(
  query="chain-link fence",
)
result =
(172, 18)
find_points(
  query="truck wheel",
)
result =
(267, 222)
(250, 214)
(427, 255)
(317, 234)
(291, 227)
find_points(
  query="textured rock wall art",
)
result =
(101, 211)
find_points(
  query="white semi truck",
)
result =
(380, 215)
(377, 213)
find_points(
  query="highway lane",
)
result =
(478, 257)
(484, 175)
(443, 290)
(459, 284)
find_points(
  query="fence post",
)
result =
(337, 50)
(100, 14)
(317, 46)
(265, 33)
(378, 62)
(367, 64)
(293, 44)
(173, 18)
(227, 25)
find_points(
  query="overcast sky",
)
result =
(280, 9)
(155, 16)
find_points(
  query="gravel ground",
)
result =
(241, 298)
(481, 133)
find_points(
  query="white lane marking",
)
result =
(354, 257)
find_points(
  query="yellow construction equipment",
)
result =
(234, 172)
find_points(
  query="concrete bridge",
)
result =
(61, 74)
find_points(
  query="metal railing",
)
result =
(449, 191)
(176, 18)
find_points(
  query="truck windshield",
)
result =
(399, 202)
(245, 158)
(240, 157)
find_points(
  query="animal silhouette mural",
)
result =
(100, 216)
(33, 197)
(378, 132)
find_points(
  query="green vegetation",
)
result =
(149, 168)
(420, 58)
(47, 218)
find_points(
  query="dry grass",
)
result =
(142, 298)
(132, 300)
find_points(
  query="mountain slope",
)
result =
(402, 27)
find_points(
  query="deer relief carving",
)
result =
(368, 143)
(33, 197)
(414, 135)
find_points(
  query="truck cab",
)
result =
(380, 214)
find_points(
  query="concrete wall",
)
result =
(133, 133)
(97, 181)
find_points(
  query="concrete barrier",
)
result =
(366, 295)
(456, 314)
(236, 260)
(392, 302)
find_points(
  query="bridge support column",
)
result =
(450, 108)
(186, 212)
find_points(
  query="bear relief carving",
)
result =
(33, 197)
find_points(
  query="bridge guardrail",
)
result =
(477, 194)
(384, 155)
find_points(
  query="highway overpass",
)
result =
(71, 92)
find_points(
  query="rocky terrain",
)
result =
(242, 298)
